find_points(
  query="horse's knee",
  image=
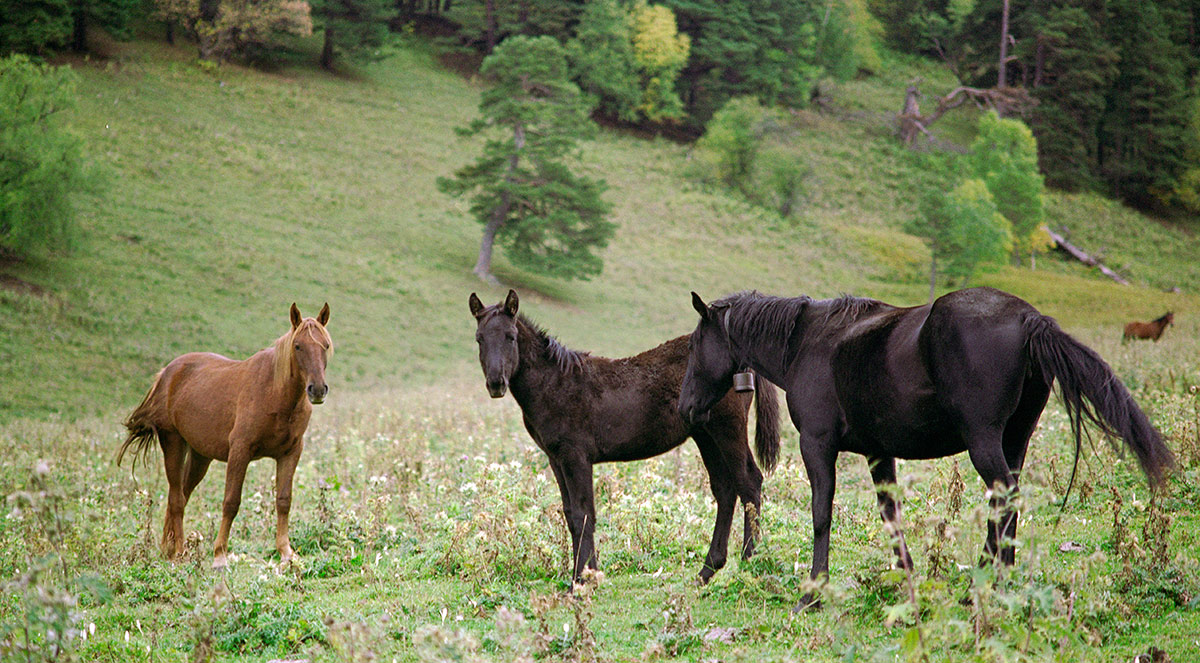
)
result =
(283, 505)
(229, 508)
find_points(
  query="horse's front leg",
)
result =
(820, 460)
(235, 475)
(285, 469)
(720, 481)
(883, 473)
(581, 512)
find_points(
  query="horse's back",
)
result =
(201, 392)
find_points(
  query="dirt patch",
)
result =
(14, 284)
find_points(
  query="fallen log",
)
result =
(1079, 254)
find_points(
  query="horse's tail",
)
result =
(766, 427)
(1082, 374)
(140, 423)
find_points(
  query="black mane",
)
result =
(565, 358)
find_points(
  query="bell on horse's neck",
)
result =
(743, 381)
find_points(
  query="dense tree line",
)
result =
(1112, 79)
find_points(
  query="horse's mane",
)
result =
(848, 307)
(1163, 317)
(565, 358)
(284, 347)
(755, 315)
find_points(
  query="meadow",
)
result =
(427, 524)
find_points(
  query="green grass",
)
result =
(422, 506)
(233, 192)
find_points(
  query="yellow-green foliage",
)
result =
(660, 52)
(868, 32)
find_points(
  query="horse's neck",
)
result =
(289, 390)
(535, 370)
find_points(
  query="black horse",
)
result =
(582, 410)
(970, 372)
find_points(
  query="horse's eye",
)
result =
(297, 346)
(510, 337)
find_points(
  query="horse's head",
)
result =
(710, 365)
(496, 334)
(1169, 318)
(310, 348)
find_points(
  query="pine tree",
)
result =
(351, 27)
(1070, 67)
(1144, 131)
(32, 26)
(113, 16)
(549, 219)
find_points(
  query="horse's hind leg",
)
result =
(174, 456)
(750, 490)
(721, 480)
(883, 473)
(193, 473)
(988, 457)
(1017, 432)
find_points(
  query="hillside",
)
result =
(233, 192)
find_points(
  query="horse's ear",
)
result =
(475, 304)
(511, 302)
(295, 312)
(323, 316)
(699, 305)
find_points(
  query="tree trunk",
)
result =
(490, 13)
(327, 50)
(483, 265)
(170, 25)
(79, 32)
(1001, 77)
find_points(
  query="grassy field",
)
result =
(422, 508)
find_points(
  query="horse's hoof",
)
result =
(220, 563)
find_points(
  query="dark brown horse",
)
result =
(971, 372)
(204, 407)
(1151, 330)
(582, 410)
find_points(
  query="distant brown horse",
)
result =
(203, 406)
(1151, 330)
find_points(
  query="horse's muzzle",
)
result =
(691, 416)
(497, 389)
(317, 393)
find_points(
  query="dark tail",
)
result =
(1090, 390)
(142, 431)
(766, 428)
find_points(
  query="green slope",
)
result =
(235, 192)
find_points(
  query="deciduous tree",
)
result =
(964, 230)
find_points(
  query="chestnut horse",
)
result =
(1151, 330)
(203, 406)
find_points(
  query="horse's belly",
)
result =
(921, 434)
